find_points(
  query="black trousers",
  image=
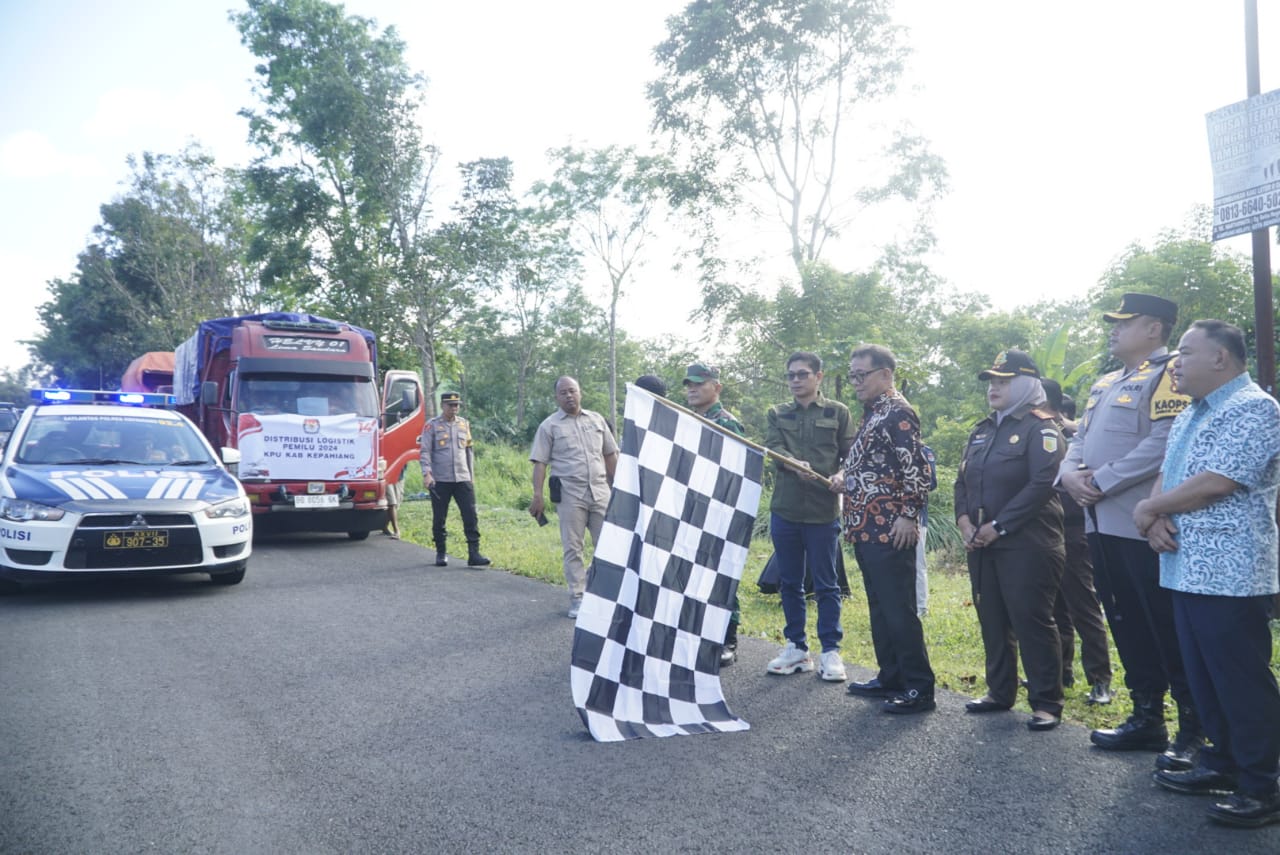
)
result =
(889, 576)
(1078, 612)
(1126, 573)
(464, 494)
(1226, 645)
(1014, 590)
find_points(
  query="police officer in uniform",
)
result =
(1010, 519)
(1111, 466)
(448, 470)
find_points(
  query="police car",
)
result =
(105, 482)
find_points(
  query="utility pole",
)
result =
(1264, 315)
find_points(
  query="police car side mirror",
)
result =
(230, 456)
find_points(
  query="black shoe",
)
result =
(1136, 734)
(442, 560)
(1196, 782)
(1099, 693)
(909, 702)
(475, 559)
(728, 654)
(1181, 754)
(981, 705)
(1247, 811)
(872, 689)
(1037, 723)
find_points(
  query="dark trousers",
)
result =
(464, 495)
(889, 576)
(1226, 647)
(1013, 591)
(1078, 612)
(1126, 573)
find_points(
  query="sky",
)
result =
(1069, 130)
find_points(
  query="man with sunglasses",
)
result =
(804, 514)
(886, 484)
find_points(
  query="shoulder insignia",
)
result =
(1163, 360)
(1049, 440)
(1044, 415)
(1165, 402)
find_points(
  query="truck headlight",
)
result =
(237, 507)
(22, 510)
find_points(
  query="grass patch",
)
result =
(517, 543)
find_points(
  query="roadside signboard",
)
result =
(1244, 147)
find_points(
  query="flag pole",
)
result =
(801, 467)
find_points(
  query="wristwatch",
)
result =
(1000, 530)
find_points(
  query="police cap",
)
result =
(1011, 363)
(450, 398)
(1132, 305)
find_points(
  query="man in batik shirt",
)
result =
(886, 484)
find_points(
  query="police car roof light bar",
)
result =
(91, 396)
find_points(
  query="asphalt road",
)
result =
(347, 697)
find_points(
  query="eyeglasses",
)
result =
(798, 375)
(860, 377)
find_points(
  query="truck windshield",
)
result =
(309, 395)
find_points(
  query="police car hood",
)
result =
(72, 484)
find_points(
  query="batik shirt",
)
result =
(886, 474)
(1228, 548)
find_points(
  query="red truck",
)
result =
(297, 394)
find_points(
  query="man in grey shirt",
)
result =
(1111, 464)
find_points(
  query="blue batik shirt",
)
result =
(1228, 548)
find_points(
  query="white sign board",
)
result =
(288, 447)
(1244, 147)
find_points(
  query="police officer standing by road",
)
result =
(1111, 465)
(448, 470)
(1010, 519)
(702, 393)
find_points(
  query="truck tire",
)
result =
(235, 577)
(358, 535)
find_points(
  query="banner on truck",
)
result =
(289, 447)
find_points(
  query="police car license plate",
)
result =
(328, 500)
(144, 539)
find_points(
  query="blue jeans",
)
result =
(794, 544)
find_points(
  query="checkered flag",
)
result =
(646, 648)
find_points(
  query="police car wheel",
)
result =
(233, 578)
(358, 535)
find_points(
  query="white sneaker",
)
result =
(831, 667)
(791, 660)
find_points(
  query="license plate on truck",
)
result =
(328, 500)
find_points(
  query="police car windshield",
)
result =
(110, 438)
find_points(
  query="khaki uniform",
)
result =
(574, 449)
(448, 457)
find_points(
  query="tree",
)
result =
(167, 254)
(344, 175)
(609, 197)
(774, 86)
